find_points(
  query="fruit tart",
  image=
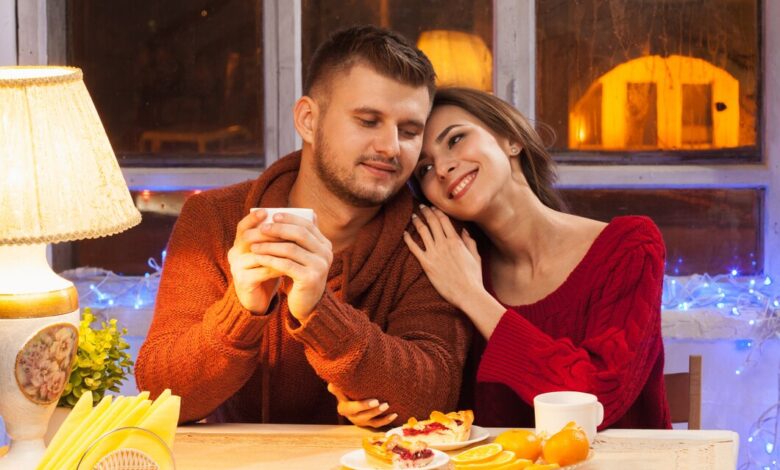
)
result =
(395, 452)
(440, 428)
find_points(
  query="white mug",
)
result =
(304, 212)
(552, 411)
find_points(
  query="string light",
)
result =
(101, 289)
(741, 298)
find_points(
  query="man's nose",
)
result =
(386, 143)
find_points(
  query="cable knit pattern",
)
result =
(379, 324)
(599, 332)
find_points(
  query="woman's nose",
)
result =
(445, 167)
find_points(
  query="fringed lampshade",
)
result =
(59, 181)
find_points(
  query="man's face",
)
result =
(369, 135)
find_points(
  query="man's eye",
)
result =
(423, 169)
(368, 122)
(410, 134)
(454, 140)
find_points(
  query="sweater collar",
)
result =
(375, 244)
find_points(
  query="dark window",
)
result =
(176, 82)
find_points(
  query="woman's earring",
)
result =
(514, 150)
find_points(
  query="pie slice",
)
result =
(394, 452)
(440, 428)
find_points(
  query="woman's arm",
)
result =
(453, 265)
(621, 345)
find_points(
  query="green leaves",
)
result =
(102, 362)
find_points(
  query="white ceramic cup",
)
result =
(552, 411)
(304, 212)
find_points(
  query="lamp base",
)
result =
(23, 454)
(39, 319)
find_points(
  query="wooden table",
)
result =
(317, 447)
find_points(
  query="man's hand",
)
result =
(367, 413)
(298, 250)
(254, 283)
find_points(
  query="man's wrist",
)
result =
(272, 305)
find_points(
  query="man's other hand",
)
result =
(300, 252)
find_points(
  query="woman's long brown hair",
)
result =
(505, 121)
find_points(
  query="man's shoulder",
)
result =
(223, 197)
(216, 210)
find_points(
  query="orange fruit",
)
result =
(478, 454)
(566, 447)
(517, 464)
(542, 466)
(499, 460)
(525, 444)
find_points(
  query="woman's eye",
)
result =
(423, 169)
(454, 140)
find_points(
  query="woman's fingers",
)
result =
(446, 224)
(434, 224)
(423, 231)
(418, 252)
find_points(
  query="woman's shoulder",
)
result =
(627, 233)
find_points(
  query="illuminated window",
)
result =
(650, 75)
(459, 45)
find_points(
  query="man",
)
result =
(255, 317)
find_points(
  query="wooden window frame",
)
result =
(40, 24)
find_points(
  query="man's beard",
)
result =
(343, 182)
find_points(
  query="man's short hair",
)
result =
(387, 52)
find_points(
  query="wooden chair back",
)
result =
(683, 392)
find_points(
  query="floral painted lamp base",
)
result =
(36, 355)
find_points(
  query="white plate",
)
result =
(478, 434)
(356, 460)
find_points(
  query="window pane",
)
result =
(459, 45)
(706, 230)
(179, 77)
(128, 252)
(649, 75)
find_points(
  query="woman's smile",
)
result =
(459, 187)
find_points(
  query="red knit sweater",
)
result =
(599, 332)
(380, 331)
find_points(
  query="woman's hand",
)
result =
(451, 261)
(368, 413)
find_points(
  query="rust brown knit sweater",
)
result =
(380, 330)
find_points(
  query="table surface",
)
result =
(294, 447)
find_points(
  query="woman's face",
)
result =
(463, 165)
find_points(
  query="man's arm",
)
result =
(202, 343)
(415, 365)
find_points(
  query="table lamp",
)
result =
(59, 181)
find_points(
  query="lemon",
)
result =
(517, 464)
(478, 454)
(502, 458)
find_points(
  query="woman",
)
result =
(562, 302)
